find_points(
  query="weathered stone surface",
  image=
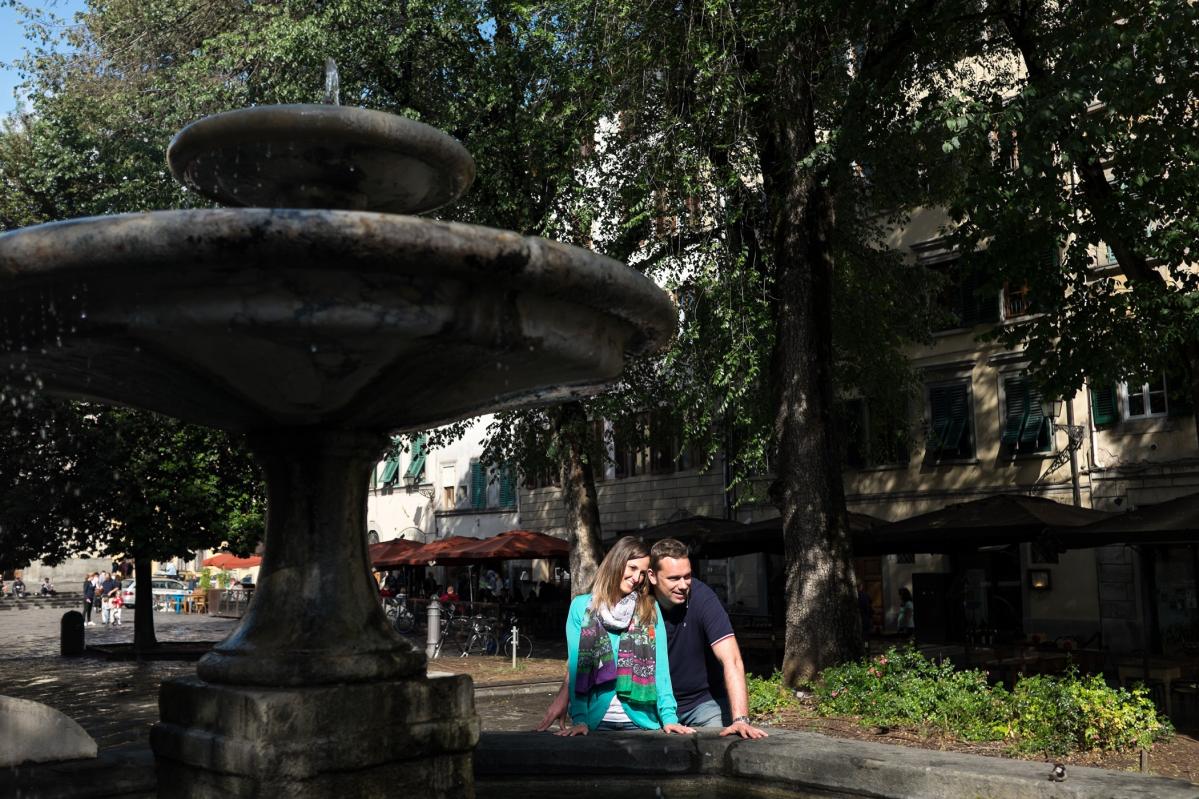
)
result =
(787, 762)
(251, 319)
(364, 737)
(31, 732)
(320, 156)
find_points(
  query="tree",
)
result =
(88, 479)
(1077, 148)
(783, 111)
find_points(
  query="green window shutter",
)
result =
(416, 467)
(1032, 433)
(1105, 409)
(391, 469)
(1015, 404)
(955, 434)
(950, 420)
(938, 401)
(507, 487)
(478, 485)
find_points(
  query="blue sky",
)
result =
(12, 42)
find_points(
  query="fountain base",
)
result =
(411, 736)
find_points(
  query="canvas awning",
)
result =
(516, 545)
(227, 560)
(1175, 521)
(998, 520)
(386, 554)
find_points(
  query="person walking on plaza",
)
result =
(706, 670)
(617, 669)
(108, 587)
(89, 598)
(906, 620)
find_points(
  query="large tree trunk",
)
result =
(823, 626)
(572, 430)
(143, 613)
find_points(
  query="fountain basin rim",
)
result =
(181, 247)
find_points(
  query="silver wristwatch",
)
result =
(741, 718)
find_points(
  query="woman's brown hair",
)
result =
(606, 587)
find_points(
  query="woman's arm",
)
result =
(574, 626)
(667, 706)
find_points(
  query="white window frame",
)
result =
(1144, 392)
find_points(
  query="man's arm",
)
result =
(729, 655)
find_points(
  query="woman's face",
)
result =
(634, 574)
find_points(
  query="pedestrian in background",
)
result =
(89, 598)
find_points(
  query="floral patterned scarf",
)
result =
(632, 668)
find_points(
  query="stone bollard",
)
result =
(433, 638)
(71, 633)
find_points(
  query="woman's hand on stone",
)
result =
(570, 732)
(677, 729)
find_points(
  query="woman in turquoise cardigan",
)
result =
(616, 649)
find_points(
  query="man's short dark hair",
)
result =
(667, 548)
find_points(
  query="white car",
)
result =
(163, 588)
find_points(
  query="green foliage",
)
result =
(1058, 715)
(1043, 714)
(903, 688)
(768, 695)
(205, 580)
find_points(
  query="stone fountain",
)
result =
(317, 316)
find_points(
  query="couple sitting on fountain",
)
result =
(641, 647)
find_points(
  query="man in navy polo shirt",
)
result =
(705, 661)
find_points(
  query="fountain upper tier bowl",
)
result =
(320, 156)
(253, 318)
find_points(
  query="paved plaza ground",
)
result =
(117, 701)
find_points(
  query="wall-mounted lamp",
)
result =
(1040, 579)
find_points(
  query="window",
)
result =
(1015, 301)
(949, 433)
(449, 486)
(876, 432)
(963, 300)
(652, 443)
(1146, 400)
(507, 492)
(1025, 427)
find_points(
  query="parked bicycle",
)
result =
(523, 643)
(400, 613)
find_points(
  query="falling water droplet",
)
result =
(332, 83)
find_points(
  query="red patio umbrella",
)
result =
(517, 544)
(387, 554)
(227, 560)
(447, 549)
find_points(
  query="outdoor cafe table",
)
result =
(1163, 670)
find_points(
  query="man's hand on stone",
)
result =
(677, 729)
(744, 729)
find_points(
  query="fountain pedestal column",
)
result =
(314, 694)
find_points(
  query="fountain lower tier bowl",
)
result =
(253, 318)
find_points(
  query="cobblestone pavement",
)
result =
(117, 701)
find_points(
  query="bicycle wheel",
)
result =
(405, 621)
(481, 642)
(524, 647)
(455, 636)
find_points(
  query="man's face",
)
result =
(671, 581)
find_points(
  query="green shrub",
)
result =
(767, 695)
(903, 688)
(1060, 715)
(1052, 715)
